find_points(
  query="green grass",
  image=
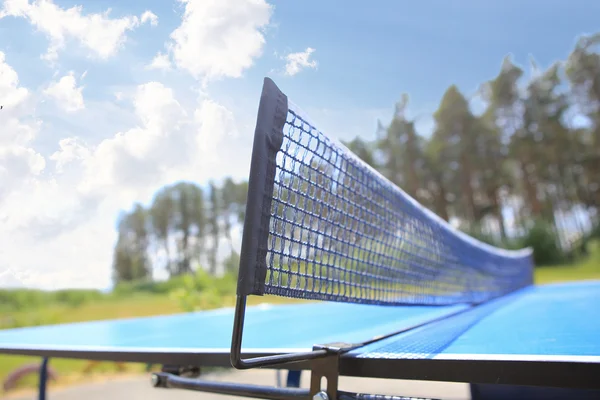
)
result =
(588, 268)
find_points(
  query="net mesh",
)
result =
(430, 340)
(340, 231)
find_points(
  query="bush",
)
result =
(203, 291)
(24, 299)
(75, 297)
(31, 299)
(544, 242)
(147, 286)
(595, 233)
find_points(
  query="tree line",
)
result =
(531, 155)
(180, 231)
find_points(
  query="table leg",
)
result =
(43, 379)
(293, 378)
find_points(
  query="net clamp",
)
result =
(324, 377)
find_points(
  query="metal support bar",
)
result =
(236, 345)
(325, 367)
(166, 380)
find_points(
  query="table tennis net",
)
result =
(333, 228)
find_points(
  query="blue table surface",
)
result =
(294, 327)
(557, 320)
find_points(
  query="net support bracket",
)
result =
(265, 361)
(323, 362)
(328, 368)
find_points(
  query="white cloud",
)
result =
(11, 94)
(58, 213)
(53, 251)
(70, 150)
(11, 279)
(18, 162)
(160, 61)
(65, 92)
(132, 160)
(219, 38)
(97, 32)
(170, 143)
(295, 62)
(149, 16)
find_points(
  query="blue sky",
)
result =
(368, 56)
(89, 127)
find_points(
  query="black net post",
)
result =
(268, 137)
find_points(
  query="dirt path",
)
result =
(139, 388)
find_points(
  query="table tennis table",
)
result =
(444, 307)
(547, 336)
